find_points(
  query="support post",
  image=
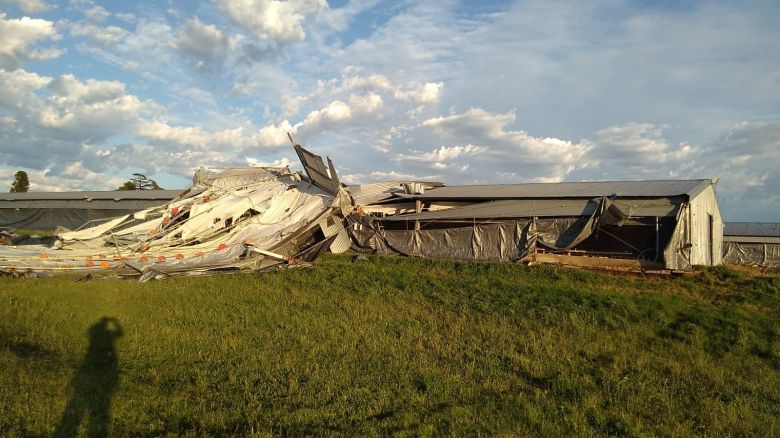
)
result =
(417, 210)
(657, 241)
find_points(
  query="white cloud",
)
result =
(635, 150)
(94, 108)
(273, 20)
(366, 103)
(125, 16)
(104, 36)
(282, 162)
(428, 93)
(333, 113)
(444, 153)
(96, 14)
(30, 6)
(363, 178)
(159, 133)
(550, 155)
(18, 38)
(57, 119)
(16, 89)
(205, 42)
(339, 19)
(275, 135)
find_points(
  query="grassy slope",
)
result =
(405, 345)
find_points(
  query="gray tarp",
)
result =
(512, 239)
(562, 233)
(504, 241)
(752, 253)
(51, 218)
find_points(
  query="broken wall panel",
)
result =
(760, 254)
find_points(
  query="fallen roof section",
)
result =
(247, 219)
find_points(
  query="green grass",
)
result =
(397, 345)
(33, 232)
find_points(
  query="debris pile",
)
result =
(230, 220)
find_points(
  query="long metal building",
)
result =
(665, 224)
(752, 243)
(48, 210)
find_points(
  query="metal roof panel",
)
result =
(592, 189)
(758, 229)
(116, 195)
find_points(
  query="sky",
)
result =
(462, 92)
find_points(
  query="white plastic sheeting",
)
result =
(227, 221)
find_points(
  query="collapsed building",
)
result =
(752, 243)
(259, 218)
(230, 220)
(669, 224)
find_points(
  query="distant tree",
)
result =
(140, 181)
(21, 182)
(129, 185)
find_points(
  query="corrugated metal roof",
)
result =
(542, 208)
(116, 195)
(758, 229)
(366, 194)
(620, 189)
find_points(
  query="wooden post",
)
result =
(657, 241)
(417, 210)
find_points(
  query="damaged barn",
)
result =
(258, 218)
(619, 224)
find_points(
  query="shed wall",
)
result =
(763, 254)
(706, 229)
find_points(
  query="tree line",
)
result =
(139, 181)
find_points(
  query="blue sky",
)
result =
(460, 92)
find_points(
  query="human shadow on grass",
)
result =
(94, 383)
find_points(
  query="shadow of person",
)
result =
(94, 383)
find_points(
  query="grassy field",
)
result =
(394, 345)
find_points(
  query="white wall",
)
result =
(701, 207)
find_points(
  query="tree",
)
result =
(21, 182)
(129, 185)
(140, 181)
